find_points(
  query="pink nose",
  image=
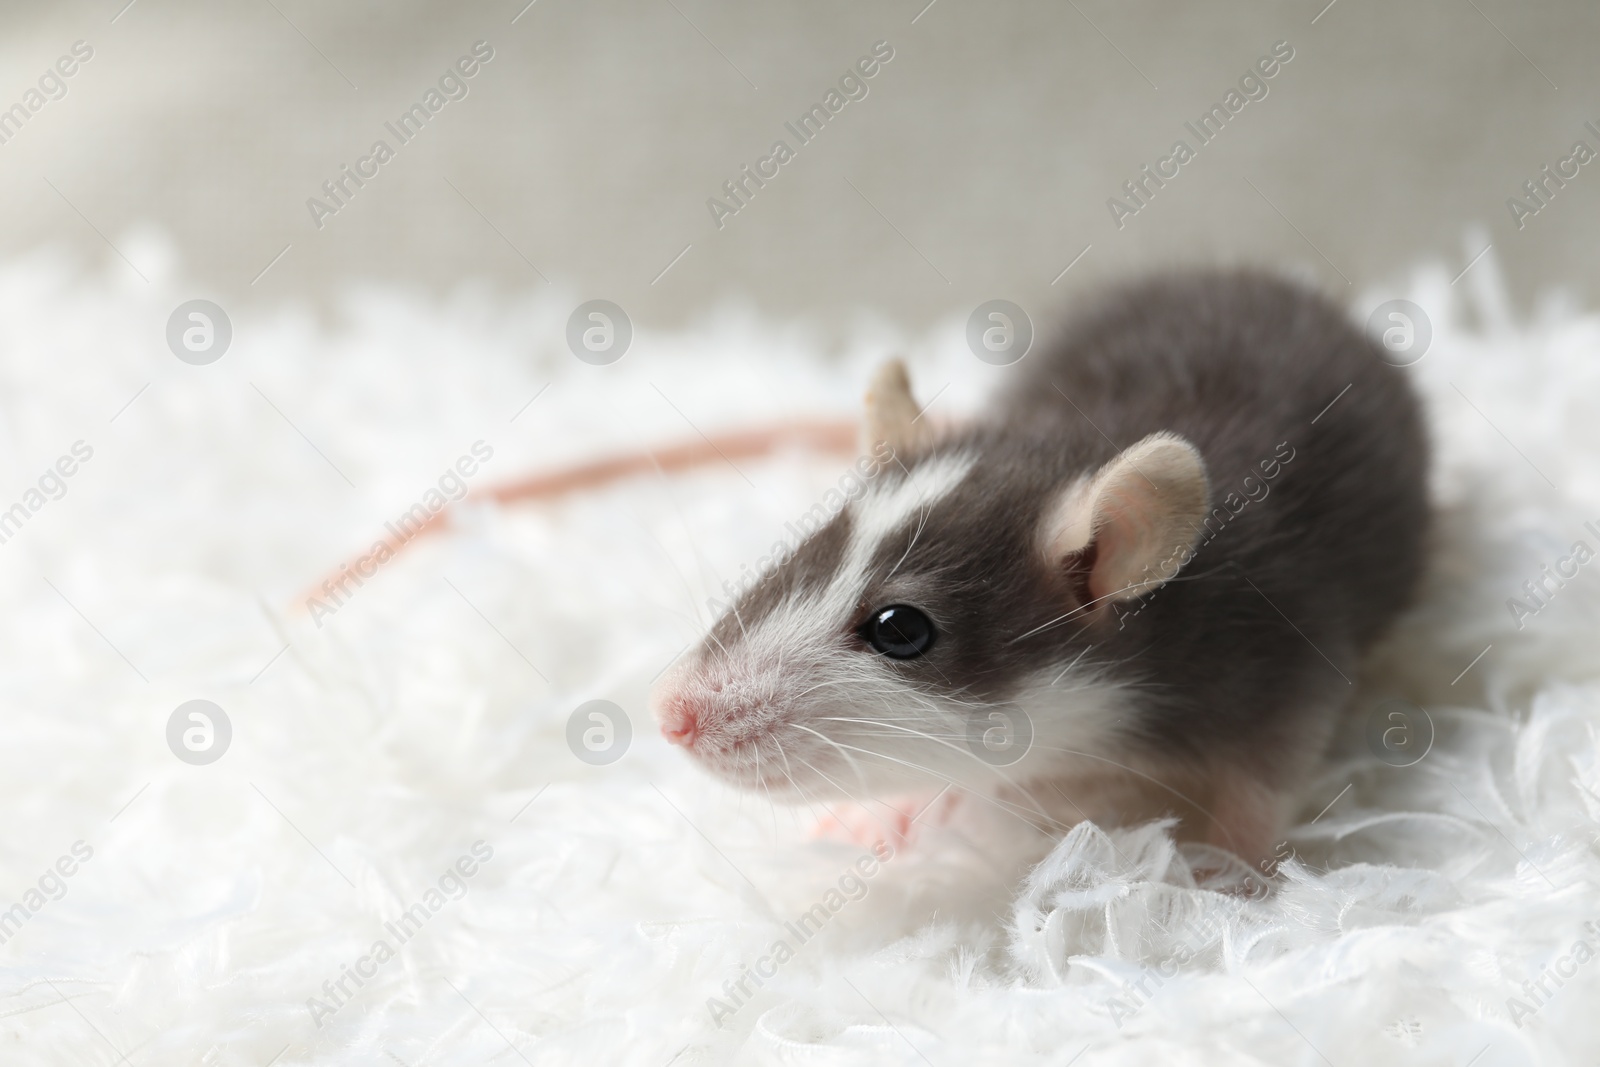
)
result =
(679, 723)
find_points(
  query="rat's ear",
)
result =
(1138, 517)
(892, 414)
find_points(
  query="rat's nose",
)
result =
(679, 723)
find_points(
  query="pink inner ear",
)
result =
(1126, 530)
(1125, 526)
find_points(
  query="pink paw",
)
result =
(892, 822)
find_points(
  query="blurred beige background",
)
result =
(978, 165)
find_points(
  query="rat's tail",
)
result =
(821, 435)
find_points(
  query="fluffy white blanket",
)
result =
(399, 770)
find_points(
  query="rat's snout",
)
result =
(680, 721)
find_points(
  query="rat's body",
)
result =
(1167, 542)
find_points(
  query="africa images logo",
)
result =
(342, 187)
(452, 885)
(805, 129)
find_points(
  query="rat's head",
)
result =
(965, 586)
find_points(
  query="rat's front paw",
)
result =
(891, 822)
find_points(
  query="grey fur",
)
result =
(1244, 657)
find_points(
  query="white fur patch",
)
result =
(794, 626)
(889, 507)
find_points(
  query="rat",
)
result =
(1150, 566)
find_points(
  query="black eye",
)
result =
(899, 632)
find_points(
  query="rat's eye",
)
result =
(899, 632)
